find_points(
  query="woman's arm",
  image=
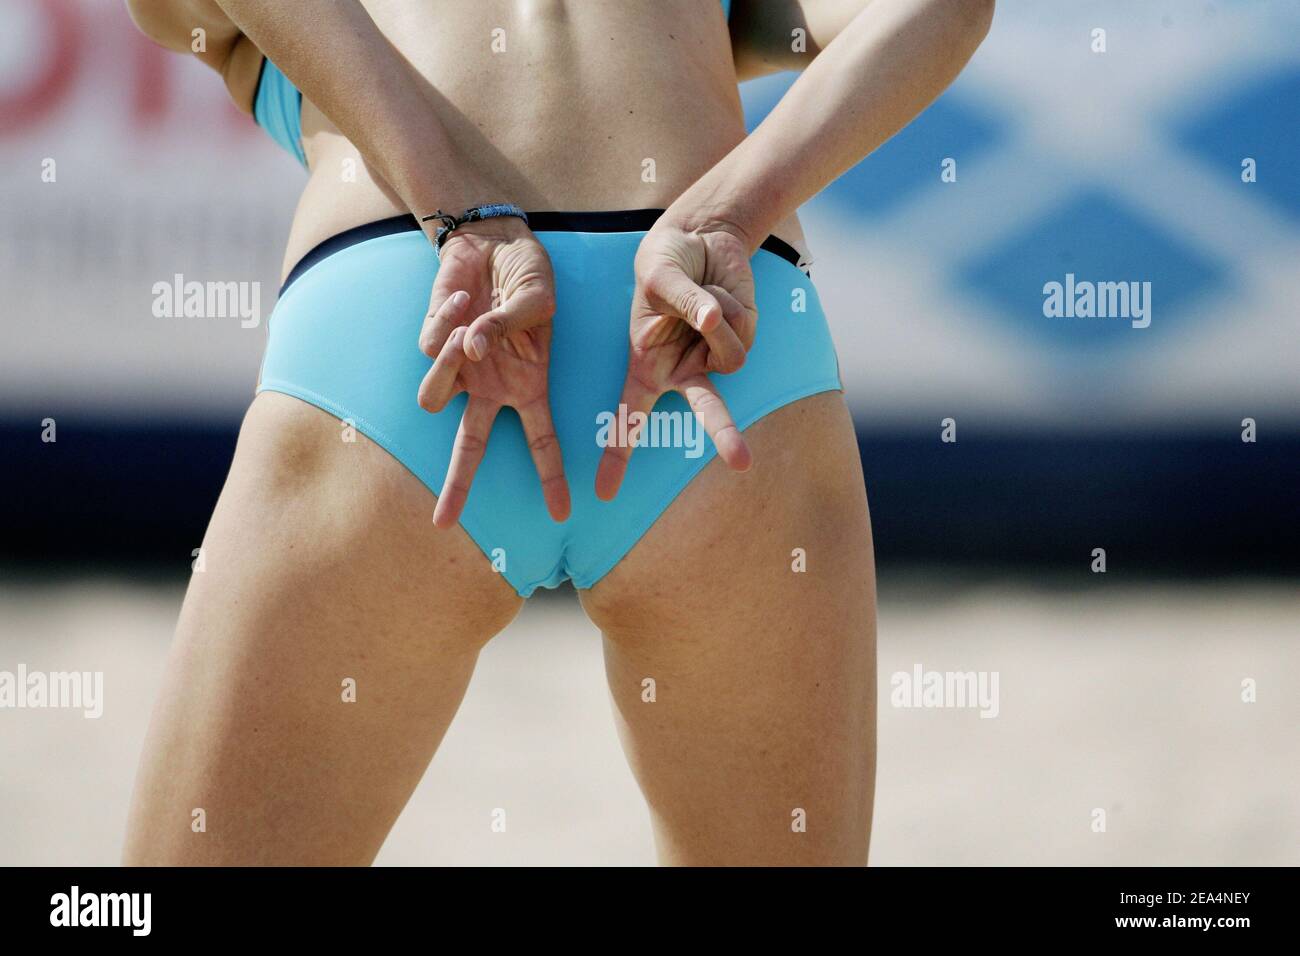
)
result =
(772, 35)
(694, 309)
(879, 73)
(348, 69)
(488, 325)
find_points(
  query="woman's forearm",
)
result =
(335, 54)
(890, 63)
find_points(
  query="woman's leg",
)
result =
(755, 744)
(322, 575)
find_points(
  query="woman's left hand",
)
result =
(488, 330)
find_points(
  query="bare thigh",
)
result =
(319, 658)
(744, 688)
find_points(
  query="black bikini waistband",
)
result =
(619, 220)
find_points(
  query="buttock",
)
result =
(344, 337)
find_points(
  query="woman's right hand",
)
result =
(693, 313)
(488, 330)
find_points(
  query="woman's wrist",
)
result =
(725, 199)
(499, 229)
(494, 222)
(703, 219)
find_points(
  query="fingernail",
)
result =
(460, 298)
(478, 346)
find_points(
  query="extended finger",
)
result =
(711, 412)
(539, 431)
(633, 410)
(471, 443)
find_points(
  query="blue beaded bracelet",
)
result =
(492, 210)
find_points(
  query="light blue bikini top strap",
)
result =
(726, 8)
(278, 109)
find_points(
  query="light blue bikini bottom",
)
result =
(344, 337)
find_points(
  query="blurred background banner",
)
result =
(1163, 165)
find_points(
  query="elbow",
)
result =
(977, 18)
(143, 14)
(963, 24)
(151, 19)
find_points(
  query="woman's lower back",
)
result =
(592, 105)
